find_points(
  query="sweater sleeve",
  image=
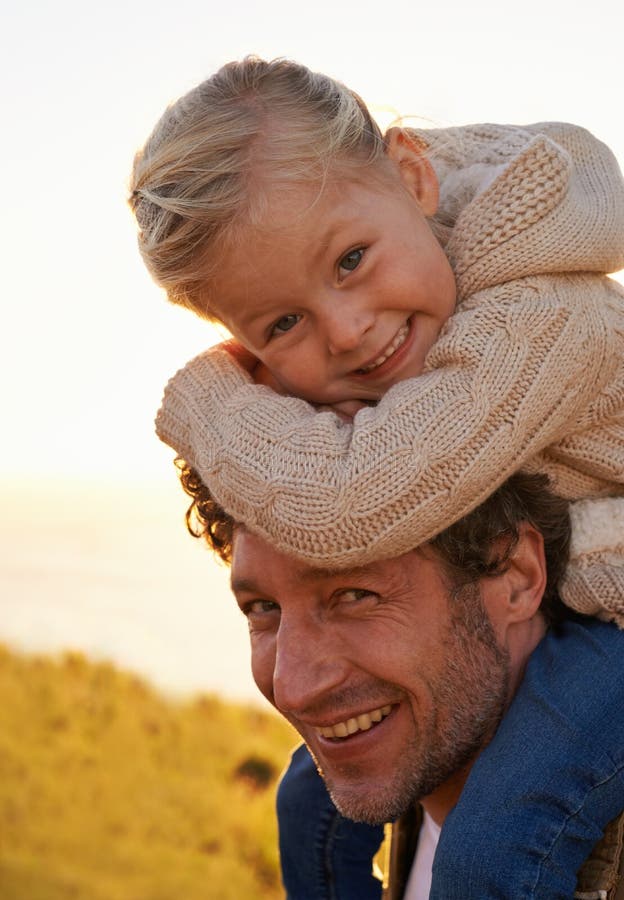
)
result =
(513, 369)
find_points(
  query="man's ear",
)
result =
(517, 594)
(409, 153)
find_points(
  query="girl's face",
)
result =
(340, 294)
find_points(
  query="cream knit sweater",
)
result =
(528, 373)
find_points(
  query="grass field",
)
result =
(109, 791)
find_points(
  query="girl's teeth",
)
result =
(394, 346)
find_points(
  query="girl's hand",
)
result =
(243, 357)
(346, 409)
(252, 365)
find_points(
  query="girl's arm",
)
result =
(513, 371)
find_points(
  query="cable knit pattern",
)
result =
(594, 581)
(555, 204)
(528, 373)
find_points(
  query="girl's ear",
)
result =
(409, 153)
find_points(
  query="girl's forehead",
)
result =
(303, 217)
(277, 206)
(281, 204)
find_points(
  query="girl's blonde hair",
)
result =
(202, 169)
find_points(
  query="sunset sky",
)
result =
(88, 341)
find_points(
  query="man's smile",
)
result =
(352, 725)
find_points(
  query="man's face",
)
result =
(393, 684)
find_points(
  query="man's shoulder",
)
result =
(601, 877)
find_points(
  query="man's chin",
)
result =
(381, 798)
(379, 789)
(369, 804)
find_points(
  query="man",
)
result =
(398, 674)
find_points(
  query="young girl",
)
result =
(348, 264)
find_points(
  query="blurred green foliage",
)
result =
(109, 791)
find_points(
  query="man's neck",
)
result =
(441, 801)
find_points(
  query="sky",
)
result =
(88, 340)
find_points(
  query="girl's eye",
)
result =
(352, 259)
(285, 323)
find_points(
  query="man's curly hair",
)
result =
(477, 546)
(204, 517)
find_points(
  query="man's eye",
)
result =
(261, 615)
(356, 595)
(285, 323)
(260, 607)
(352, 259)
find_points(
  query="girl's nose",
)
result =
(346, 326)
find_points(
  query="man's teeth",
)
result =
(394, 346)
(358, 723)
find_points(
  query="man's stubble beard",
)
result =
(472, 693)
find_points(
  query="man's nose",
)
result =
(308, 667)
(346, 323)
